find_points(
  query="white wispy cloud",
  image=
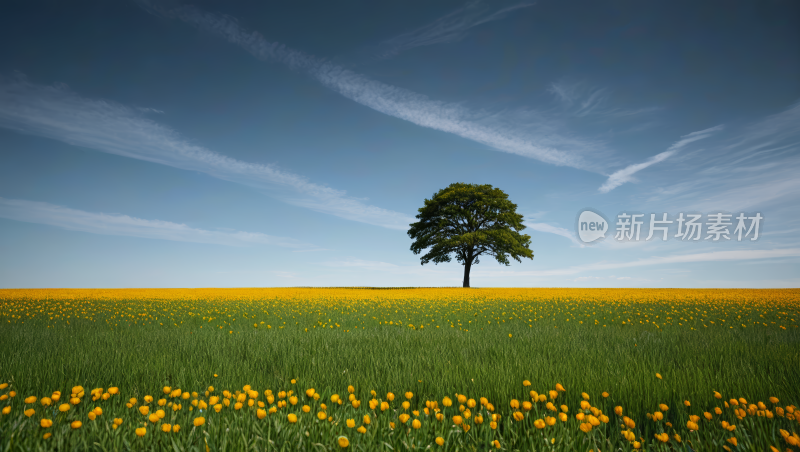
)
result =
(714, 256)
(542, 142)
(544, 227)
(58, 113)
(580, 99)
(124, 225)
(452, 27)
(754, 168)
(626, 174)
(487, 272)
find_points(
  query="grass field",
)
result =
(328, 360)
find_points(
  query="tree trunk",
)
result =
(467, 266)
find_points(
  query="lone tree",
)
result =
(470, 221)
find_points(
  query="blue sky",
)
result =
(224, 144)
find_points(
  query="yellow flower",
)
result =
(46, 423)
(538, 423)
(527, 406)
(176, 428)
(141, 431)
(47, 435)
(496, 444)
(457, 420)
(118, 421)
(92, 416)
(560, 388)
(145, 410)
(526, 383)
(440, 441)
(366, 420)
(292, 418)
(732, 440)
(585, 396)
(518, 416)
(261, 414)
(658, 376)
(605, 394)
(447, 402)
(362, 430)
(416, 424)
(343, 442)
(76, 425)
(166, 428)
(687, 403)
(198, 421)
(351, 423)
(586, 427)
(64, 407)
(31, 399)
(29, 412)
(618, 410)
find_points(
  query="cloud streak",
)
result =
(579, 100)
(452, 27)
(124, 225)
(544, 227)
(544, 144)
(58, 113)
(626, 174)
(755, 169)
(715, 256)
(485, 271)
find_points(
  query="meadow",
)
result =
(399, 369)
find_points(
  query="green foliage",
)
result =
(469, 221)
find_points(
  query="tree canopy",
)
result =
(469, 221)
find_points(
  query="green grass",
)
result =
(431, 362)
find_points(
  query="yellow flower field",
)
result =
(382, 369)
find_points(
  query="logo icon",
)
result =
(591, 226)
